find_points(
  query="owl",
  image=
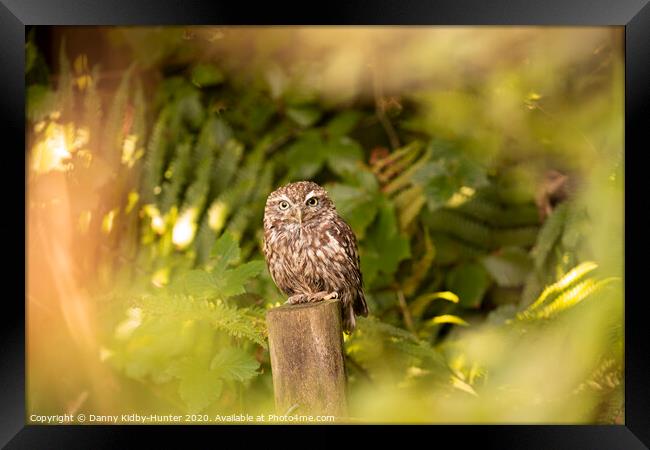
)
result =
(311, 252)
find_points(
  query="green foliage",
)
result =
(385, 348)
(207, 75)
(384, 246)
(510, 267)
(469, 281)
(188, 334)
(462, 276)
(219, 281)
(447, 171)
(571, 289)
(40, 101)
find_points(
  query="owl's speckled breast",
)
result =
(304, 260)
(310, 248)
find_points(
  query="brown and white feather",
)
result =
(311, 250)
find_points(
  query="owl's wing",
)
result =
(268, 256)
(345, 237)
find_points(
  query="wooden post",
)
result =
(306, 347)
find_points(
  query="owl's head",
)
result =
(298, 203)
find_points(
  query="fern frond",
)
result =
(515, 237)
(239, 222)
(488, 210)
(65, 85)
(207, 144)
(460, 227)
(237, 322)
(205, 238)
(176, 175)
(606, 381)
(139, 113)
(549, 235)
(402, 341)
(409, 203)
(155, 158)
(92, 106)
(450, 250)
(420, 267)
(225, 165)
(113, 131)
(572, 289)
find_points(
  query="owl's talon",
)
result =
(320, 296)
(298, 298)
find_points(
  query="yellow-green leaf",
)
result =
(420, 304)
(447, 318)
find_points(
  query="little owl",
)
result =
(310, 251)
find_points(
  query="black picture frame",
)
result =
(634, 15)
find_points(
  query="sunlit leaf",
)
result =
(198, 386)
(198, 283)
(419, 305)
(233, 363)
(447, 318)
(224, 252)
(231, 282)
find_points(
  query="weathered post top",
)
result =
(306, 347)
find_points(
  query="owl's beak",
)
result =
(297, 214)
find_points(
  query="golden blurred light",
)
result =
(130, 152)
(460, 384)
(84, 221)
(83, 81)
(109, 220)
(158, 224)
(464, 194)
(133, 321)
(104, 353)
(132, 200)
(51, 153)
(39, 126)
(81, 137)
(83, 78)
(468, 191)
(157, 221)
(184, 229)
(217, 215)
(161, 277)
(58, 142)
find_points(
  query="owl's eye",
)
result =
(284, 205)
(312, 201)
